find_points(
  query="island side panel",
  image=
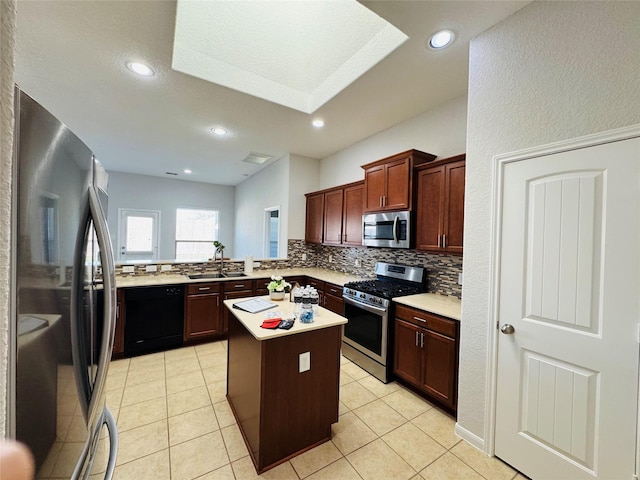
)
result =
(244, 366)
(299, 407)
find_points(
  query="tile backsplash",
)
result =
(442, 270)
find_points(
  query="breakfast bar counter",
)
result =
(283, 385)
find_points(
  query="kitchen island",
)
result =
(283, 385)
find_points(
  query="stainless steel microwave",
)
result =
(388, 229)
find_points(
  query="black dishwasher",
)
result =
(154, 319)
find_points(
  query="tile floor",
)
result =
(175, 424)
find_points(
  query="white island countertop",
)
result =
(432, 302)
(252, 321)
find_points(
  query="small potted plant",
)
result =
(277, 287)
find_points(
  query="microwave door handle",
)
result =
(395, 229)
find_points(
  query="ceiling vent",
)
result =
(257, 158)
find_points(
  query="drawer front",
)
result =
(331, 289)
(203, 288)
(236, 285)
(424, 319)
(317, 284)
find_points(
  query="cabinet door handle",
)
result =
(421, 340)
(420, 319)
(438, 241)
(417, 333)
(202, 289)
(380, 201)
(444, 241)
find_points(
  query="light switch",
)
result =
(304, 362)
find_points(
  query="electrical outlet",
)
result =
(304, 362)
(358, 262)
(460, 279)
(256, 264)
(304, 257)
(165, 268)
(330, 258)
(151, 268)
(128, 269)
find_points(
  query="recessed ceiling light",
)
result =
(140, 69)
(318, 123)
(186, 170)
(219, 131)
(441, 39)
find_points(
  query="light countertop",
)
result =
(434, 303)
(331, 276)
(284, 308)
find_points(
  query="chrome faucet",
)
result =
(219, 248)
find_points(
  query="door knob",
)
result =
(507, 329)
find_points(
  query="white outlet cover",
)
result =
(165, 268)
(304, 256)
(304, 362)
(128, 269)
(151, 268)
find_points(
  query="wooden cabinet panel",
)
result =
(397, 196)
(314, 217)
(454, 207)
(118, 341)
(202, 316)
(352, 216)
(201, 288)
(226, 314)
(426, 353)
(333, 302)
(333, 206)
(374, 181)
(440, 206)
(408, 356)
(439, 364)
(388, 182)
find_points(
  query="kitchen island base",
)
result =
(280, 410)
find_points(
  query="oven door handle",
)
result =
(364, 306)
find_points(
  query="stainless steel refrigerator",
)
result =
(63, 302)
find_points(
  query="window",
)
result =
(196, 230)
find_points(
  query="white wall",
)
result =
(267, 188)
(551, 71)
(304, 178)
(166, 195)
(440, 131)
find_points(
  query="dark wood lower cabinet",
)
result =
(118, 341)
(280, 411)
(202, 312)
(426, 354)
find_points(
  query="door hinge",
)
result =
(638, 339)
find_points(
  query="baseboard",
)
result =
(469, 437)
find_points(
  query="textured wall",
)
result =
(7, 42)
(551, 71)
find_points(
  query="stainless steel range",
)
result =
(367, 339)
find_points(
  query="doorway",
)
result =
(138, 235)
(566, 286)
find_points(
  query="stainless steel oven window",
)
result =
(367, 329)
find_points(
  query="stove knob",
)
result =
(362, 295)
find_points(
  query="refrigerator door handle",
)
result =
(109, 290)
(110, 422)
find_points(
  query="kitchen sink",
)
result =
(195, 276)
(234, 274)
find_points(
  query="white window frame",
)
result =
(176, 241)
(124, 254)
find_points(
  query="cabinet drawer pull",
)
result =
(239, 286)
(202, 289)
(420, 319)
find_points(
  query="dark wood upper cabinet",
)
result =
(440, 205)
(388, 182)
(314, 217)
(337, 214)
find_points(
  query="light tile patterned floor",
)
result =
(175, 424)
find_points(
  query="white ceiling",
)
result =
(71, 57)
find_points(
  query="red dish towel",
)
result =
(271, 323)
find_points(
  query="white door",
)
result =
(138, 235)
(569, 268)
